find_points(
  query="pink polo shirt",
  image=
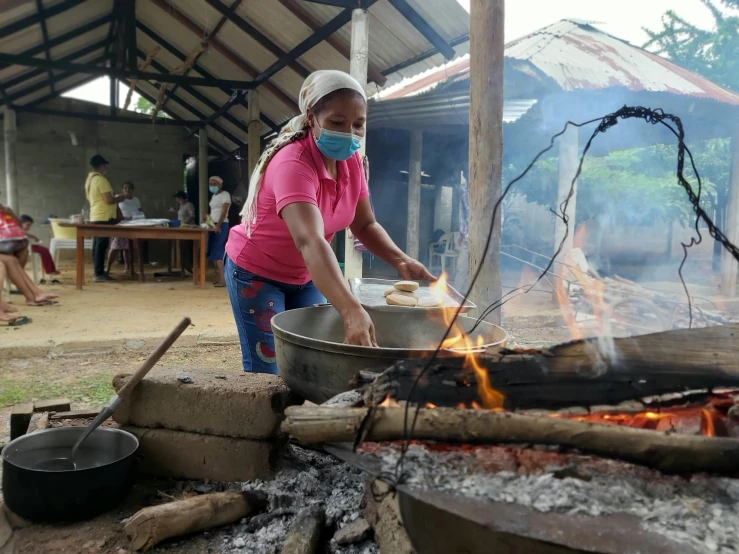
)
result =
(296, 174)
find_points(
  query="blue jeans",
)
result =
(255, 300)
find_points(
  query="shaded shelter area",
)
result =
(225, 71)
(569, 70)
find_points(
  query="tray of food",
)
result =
(387, 295)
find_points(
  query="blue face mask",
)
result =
(213, 189)
(337, 145)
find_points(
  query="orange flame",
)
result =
(708, 428)
(389, 403)
(459, 341)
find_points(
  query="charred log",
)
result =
(580, 373)
(668, 453)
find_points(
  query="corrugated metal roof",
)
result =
(442, 109)
(396, 48)
(577, 56)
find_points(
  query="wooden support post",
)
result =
(202, 174)
(728, 263)
(414, 194)
(11, 139)
(486, 148)
(567, 167)
(255, 130)
(358, 70)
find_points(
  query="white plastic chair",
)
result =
(64, 238)
(445, 251)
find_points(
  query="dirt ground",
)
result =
(125, 308)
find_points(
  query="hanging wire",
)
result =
(654, 117)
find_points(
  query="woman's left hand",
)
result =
(414, 270)
(218, 227)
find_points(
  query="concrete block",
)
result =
(194, 456)
(20, 417)
(53, 405)
(228, 404)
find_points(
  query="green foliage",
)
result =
(635, 184)
(144, 106)
(711, 53)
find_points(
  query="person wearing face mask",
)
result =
(309, 184)
(219, 204)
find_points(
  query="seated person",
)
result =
(6, 309)
(129, 207)
(18, 276)
(9, 221)
(46, 260)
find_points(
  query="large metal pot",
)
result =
(315, 364)
(103, 478)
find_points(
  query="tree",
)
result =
(144, 106)
(711, 53)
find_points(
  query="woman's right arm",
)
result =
(306, 227)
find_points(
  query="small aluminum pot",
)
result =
(103, 478)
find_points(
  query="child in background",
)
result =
(46, 260)
(129, 207)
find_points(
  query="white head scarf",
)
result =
(215, 178)
(315, 87)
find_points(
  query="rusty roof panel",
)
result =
(577, 56)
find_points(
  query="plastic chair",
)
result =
(444, 250)
(64, 238)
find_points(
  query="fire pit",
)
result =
(314, 362)
(571, 449)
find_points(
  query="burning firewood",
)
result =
(581, 373)
(151, 525)
(668, 453)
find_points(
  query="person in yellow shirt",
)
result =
(103, 211)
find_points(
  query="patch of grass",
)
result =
(93, 389)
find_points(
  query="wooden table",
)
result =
(197, 235)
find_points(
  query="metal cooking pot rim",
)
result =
(31, 436)
(350, 349)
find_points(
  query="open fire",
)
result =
(708, 418)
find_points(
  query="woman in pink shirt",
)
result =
(309, 184)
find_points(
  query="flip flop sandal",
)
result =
(219, 285)
(46, 303)
(18, 321)
(15, 291)
(42, 282)
(56, 282)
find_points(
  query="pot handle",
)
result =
(154, 357)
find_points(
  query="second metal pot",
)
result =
(104, 476)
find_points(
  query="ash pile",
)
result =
(313, 497)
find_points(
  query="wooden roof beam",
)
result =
(35, 18)
(194, 92)
(45, 35)
(341, 46)
(258, 36)
(213, 34)
(225, 52)
(422, 26)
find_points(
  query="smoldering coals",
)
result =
(701, 511)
